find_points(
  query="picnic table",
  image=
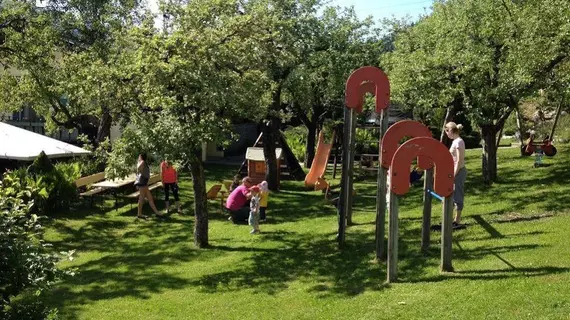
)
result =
(116, 184)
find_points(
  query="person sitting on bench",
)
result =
(237, 202)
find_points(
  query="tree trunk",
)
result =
(489, 156)
(310, 146)
(269, 138)
(104, 129)
(520, 129)
(449, 116)
(200, 201)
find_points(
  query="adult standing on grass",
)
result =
(169, 178)
(237, 201)
(141, 182)
(457, 151)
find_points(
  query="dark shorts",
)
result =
(174, 188)
(240, 215)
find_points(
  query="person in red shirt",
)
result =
(169, 178)
(237, 201)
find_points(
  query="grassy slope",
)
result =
(513, 261)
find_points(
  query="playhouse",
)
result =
(256, 163)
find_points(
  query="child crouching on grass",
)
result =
(263, 199)
(254, 209)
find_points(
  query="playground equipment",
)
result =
(289, 167)
(538, 149)
(256, 168)
(430, 154)
(544, 148)
(315, 177)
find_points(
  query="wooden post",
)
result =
(345, 201)
(381, 195)
(520, 125)
(392, 273)
(349, 173)
(426, 220)
(556, 119)
(446, 235)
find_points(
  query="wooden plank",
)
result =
(446, 235)
(426, 219)
(83, 181)
(392, 274)
(92, 192)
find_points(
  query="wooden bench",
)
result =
(85, 182)
(153, 183)
(228, 184)
(216, 193)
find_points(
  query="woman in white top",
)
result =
(457, 150)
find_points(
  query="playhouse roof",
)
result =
(21, 144)
(256, 154)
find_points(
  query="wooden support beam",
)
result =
(426, 219)
(392, 274)
(447, 235)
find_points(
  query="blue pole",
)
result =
(435, 195)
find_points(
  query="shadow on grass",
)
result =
(301, 257)
(129, 260)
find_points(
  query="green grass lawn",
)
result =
(512, 262)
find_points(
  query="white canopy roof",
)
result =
(21, 144)
(256, 154)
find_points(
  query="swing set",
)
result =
(540, 149)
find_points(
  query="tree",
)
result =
(315, 89)
(193, 81)
(70, 62)
(284, 35)
(482, 55)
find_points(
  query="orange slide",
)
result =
(319, 166)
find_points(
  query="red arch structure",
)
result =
(401, 129)
(422, 147)
(367, 80)
(435, 151)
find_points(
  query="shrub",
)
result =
(26, 265)
(56, 184)
(297, 140)
(97, 160)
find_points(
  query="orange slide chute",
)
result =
(319, 165)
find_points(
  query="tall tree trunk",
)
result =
(450, 114)
(489, 156)
(520, 128)
(200, 201)
(269, 138)
(310, 145)
(104, 129)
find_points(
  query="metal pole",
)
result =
(426, 220)
(381, 195)
(446, 235)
